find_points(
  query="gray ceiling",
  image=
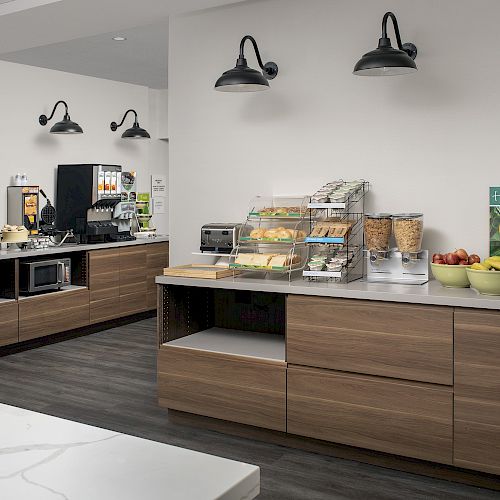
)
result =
(76, 36)
(141, 59)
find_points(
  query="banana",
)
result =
(494, 263)
(480, 267)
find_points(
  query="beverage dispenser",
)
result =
(23, 207)
(89, 201)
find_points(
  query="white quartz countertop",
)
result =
(48, 458)
(16, 253)
(431, 293)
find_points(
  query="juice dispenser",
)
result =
(23, 207)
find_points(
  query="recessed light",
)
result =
(119, 38)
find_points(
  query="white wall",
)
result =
(427, 142)
(27, 91)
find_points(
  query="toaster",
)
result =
(219, 237)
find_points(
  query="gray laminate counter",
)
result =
(431, 293)
(70, 247)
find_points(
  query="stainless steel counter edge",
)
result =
(431, 293)
(20, 254)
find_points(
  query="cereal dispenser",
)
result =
(407, 263)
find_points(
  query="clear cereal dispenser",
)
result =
(408, 232)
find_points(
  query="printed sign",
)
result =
(494, 221)
(158, 185)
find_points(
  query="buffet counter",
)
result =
(431, 293)
(105, 282)
(407, 371)
(17, 253)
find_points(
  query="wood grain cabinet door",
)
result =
(404, 341)
(399, 417)
(157, 260)
(133, 280)
(477, 390)
(222, 386)
(9, 323)
(104, 284)
(56, 312)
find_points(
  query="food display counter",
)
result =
(406, 371)
(109, 281)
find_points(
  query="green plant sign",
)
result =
(494, 220)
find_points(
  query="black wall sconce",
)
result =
(244, 79)
(385, 60)
(135, 132)
(66, 126)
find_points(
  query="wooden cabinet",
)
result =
(122, 280)
(251, 391)
(133, 280)
(477, 390)
(56, 312)
(157, 260)
(9, 328)
(404, 341)
(393, 416)
(104, 284)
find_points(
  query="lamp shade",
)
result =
(136, 132)
(66, 126)
(385, 61)
(242, 79)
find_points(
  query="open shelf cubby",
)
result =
(230, 322)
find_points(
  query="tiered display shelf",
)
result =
(272, 239)
(346, 248)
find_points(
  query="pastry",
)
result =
(278, 261)
(257, 234)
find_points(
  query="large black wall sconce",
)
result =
(135, 132)
(385, 60)
(66, 126)
(244, 79)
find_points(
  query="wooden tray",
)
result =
(199, 271)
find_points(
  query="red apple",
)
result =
(473, 258)
(452, 259)
(462, 254)
(464, 262)
(439, 261)
(437, 256)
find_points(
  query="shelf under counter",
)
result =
(52, 293)
(265, 346)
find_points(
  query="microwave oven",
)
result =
(42, 275)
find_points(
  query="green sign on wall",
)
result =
(494, 220)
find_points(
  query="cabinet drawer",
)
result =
(132, 303)
(402, 341)
(398, 417)
(224, 387)
(9, 326)
(104, 310)
(157, 256)
(104, 261)
(133, 272)
(477, 435)
(53, 313)
(477, 354)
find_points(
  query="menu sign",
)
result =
(494, 221)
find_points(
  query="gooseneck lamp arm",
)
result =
(270, 69)
(115, 126)
(43, 120)
(386, 17)
(384, 41)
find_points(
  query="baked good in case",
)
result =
(257, 234)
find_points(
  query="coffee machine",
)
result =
(23, 207)
(90, 202)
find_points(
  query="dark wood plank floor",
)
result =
(108, 379)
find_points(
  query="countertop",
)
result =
(17, 253)
(431, 293)
(45, 458)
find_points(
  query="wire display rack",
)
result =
(342, 255)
